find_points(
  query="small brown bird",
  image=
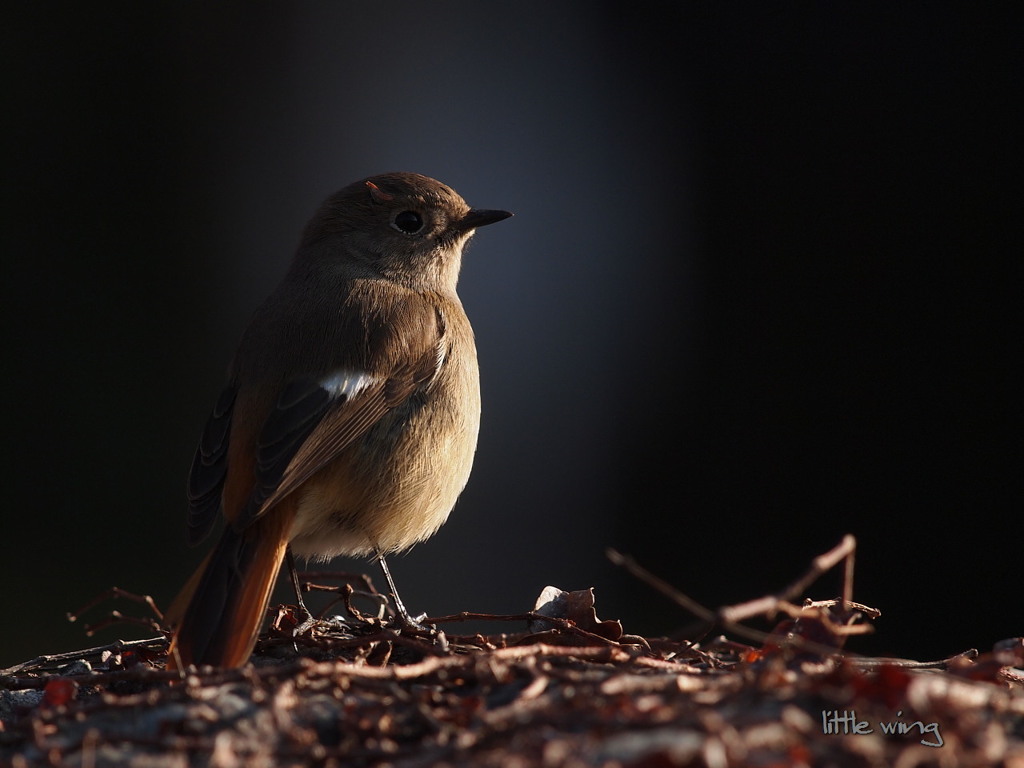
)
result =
(349, 422)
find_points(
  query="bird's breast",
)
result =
(397, 484)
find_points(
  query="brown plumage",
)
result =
(350, 419)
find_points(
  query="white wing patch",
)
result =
(345, 383)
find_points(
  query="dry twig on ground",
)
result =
(562, 688)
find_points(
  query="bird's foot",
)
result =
(312, 625)
(414, 623)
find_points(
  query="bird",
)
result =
(349, 422)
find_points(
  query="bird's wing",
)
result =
(315, 420)
(210, 468)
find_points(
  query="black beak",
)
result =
(480, 218)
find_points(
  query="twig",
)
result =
(870, 663)
(116, 617)
(59, 659)
(769, 604)
(115, 592)
(730, 616)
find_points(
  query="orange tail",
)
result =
(227, 597)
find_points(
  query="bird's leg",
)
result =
(403, 614)
(306, 619)
(290, 561)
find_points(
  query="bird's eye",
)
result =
(409, 222)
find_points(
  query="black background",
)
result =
(760, 291)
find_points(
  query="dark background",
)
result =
(759, 291)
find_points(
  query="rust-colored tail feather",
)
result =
(227, 597)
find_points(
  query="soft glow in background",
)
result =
(756, 294)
